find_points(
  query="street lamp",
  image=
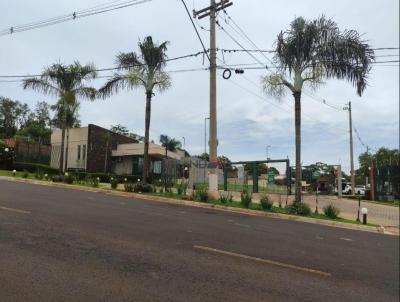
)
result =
(266, 149)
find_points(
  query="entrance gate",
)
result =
(255, 172)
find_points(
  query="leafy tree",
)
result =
(170, 143)
(309, 52)
(204, 156)
(262, 168)
(124, 131)
(119, 129)
(147, 71)
(67, 82)
(273, 170)
(13, 116)
(42, 114)
(387, 165)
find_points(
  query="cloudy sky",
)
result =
(248, 120)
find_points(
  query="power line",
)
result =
(109, 68)
(98, 9)
(197, 32)
(238, 43)
(246, 37)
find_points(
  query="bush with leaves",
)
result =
(331, 211)
(299, 208)
(246, 198)
(68, 179)
(128, 187)
(142, 187)
(225, 198)
(57, 178)
(266, 204)
(181, 189)
(93, 182)
(25, 174)
(200, 195)
(7, 156)
(113, 183)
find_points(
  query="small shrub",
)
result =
(265, 203)
(7, 156)
(128, 187)
(331, 211)
(113, 183)
(93, 182)
(39, 176)
(246, 198)
(143, 188)
(200, 195)
(57, 178)
(25, 174)
(299, 208)
(181, 189)
(227, 198)
(69, 179)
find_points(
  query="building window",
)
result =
(84, 152)
(157, 167)
(79, 152)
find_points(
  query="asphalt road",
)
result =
(68, 245)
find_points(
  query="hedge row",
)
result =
(105, 177)
(35, 168)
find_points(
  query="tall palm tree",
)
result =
(67, 82)
(145, 70)
(66, 115)
(309, 52)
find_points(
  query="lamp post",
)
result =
(266, 149)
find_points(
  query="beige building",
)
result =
(77, 148)
(128, 158)
(95, 149)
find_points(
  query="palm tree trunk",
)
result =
(62, 150)
(146, 161)
(106, 156)
(297, 121)
(66, 151)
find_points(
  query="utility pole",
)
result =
(213, 141)
(353, 179)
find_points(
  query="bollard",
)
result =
(14, 172)
(364, 212)
(358, 210)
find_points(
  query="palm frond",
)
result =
(89, 93)
(161, 81)
(128, 61)
(154, 56)
(274, 85)
(117, 82)
(40, 85)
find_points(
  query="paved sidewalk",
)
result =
(379, 214)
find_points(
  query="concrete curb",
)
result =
(250, 212)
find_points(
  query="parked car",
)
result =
(347, 189)
(360, 189)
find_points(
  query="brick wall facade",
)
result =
(97, 148)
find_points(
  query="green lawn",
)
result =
(17, 174)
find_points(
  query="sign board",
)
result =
(271, 177)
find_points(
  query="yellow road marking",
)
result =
(285, 265)
(14, 210)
